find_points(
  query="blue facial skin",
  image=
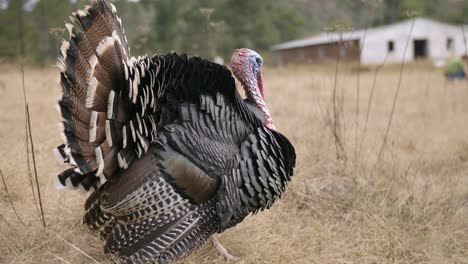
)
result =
(257, 61)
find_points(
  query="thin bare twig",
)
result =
(357, 99)
(369, 104)
(466, 47)
(34, 165)
(8, 223)
(341, 97)
(384, 142)
(464, 39)
(26, 117)
(75, 247)
(335, 114)
(340, 152)
(58, 257)
(9, 198)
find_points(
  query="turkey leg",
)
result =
(221, 250)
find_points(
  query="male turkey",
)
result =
(170, 151)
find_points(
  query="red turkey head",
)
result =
(246, 65)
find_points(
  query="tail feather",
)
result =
(96, 95)
(150, 240)
(97, 127)
(95, 218)
(93, 64)
(71, 107)
(142, 218)
(74, 180)
(142, 233)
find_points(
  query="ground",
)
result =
(408, 206)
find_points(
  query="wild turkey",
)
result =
(168, 148)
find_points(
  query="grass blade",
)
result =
(395, 98)
(9, 198)
(75, 247)
(34, 165)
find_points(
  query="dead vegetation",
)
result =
(412, 209)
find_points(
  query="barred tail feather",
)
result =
(163, 239)
(71, 179)
(93, 64)
(108, 98)
(164, 228)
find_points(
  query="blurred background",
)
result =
(209, 28)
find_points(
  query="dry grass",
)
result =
(412, 209)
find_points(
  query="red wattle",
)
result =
(260, 83)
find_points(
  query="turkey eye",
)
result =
(259, 61)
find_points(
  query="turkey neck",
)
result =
(254, 94)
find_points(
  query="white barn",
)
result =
(429, 39)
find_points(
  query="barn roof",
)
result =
(322, 38)
(332, 37)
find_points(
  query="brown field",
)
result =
(410, 207)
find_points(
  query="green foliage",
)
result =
(452, 11)
(9, 40)
(258, 24)
(206, 28)
(209, 28)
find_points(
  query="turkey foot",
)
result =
(221, 250)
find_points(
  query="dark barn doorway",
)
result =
(420, 48)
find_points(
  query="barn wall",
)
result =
(461, 42)
(374, 49)
(375, 45)
(348, 51)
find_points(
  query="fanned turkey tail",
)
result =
(99, 104)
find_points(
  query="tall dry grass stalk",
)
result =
(38, 188)
(9, 198)
(75, 247)
(357, 107)
(395, 98)
(336, 121)
(27, 135)
(369, 107)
